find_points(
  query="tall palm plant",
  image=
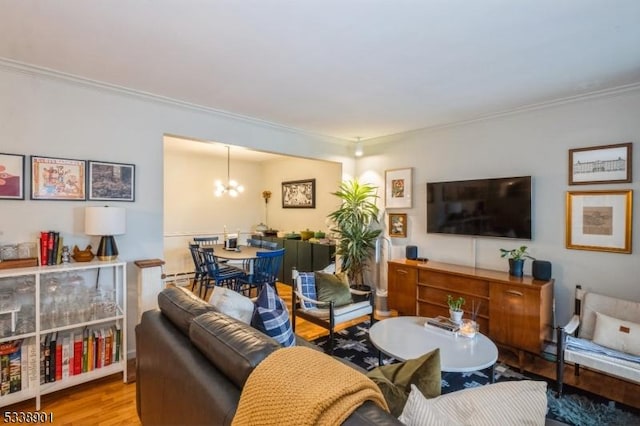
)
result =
(354, 224)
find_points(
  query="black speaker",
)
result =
(411, 252)
(541, 270)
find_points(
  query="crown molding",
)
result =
(598, 94)
(24, 68)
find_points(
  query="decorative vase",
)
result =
(305, 235)
(516, 267)
(455, 316)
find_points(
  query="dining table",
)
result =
(246, 254)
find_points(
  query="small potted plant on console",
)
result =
(516, 259)
(455, 308)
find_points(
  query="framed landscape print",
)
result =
(398, 225)
(57, 179)
(299, 194)
(599, 220)
(600, 164)
(111, 181)
(398, 188)
(11, 177)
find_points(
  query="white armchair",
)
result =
(325, 314)
(575, 340)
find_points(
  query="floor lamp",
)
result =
(105, 221)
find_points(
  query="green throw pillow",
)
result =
(395, 380)
(333, 287)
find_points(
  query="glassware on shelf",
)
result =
(49, 300)
(103, 304)
(25, 291)
(76, 280)
(26, 250)
(26, 322)
(7, 300)
(9, 252)
(5, 325)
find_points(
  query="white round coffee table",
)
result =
(405, 338)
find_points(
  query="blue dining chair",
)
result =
(265, 271)
(269, 245)
(200, 267)
(254, 242)
(205, 241)
(219, 274)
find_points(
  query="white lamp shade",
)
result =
(105, 221)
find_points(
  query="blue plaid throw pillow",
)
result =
(272, 317)
(308, 288)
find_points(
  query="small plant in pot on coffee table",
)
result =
(455, 308)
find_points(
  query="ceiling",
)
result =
(343, 68)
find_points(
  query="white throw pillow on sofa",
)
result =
(232, 303)
(621, 335)
(509, 403)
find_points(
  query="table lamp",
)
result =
(105, 221)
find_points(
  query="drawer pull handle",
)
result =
(515, 293)
(402, 271)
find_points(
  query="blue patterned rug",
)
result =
(576, 407)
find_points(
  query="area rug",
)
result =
(576, 407)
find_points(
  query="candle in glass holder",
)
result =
(468, 328)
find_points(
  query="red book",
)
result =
(99, 348)
(44, 248)
(59, 359)
(77, 355)
(108, 347)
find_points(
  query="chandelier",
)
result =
(232, 187)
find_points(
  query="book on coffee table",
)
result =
(443, 323)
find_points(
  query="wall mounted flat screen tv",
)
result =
(499, 207)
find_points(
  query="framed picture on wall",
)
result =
(11, 177)
(398, 188)
(600, 164)
(57, 179)
(111, 181)
(599, 220)
(398, 225)
(299, 194)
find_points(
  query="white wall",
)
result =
(327, 176)
(49, 114)
(532, 143)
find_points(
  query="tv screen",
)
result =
(499, 207)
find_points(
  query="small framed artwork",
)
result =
(111, 181)
(299, 194)
(599, 220)
(398, 225)
(57, 179)
(11, 177)
(398, 188)
(600, 164)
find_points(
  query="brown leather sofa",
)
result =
(193, 361)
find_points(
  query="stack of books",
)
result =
(50, 248)
(442, 323)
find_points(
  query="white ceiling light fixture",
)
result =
(232, 187)
(359, 151)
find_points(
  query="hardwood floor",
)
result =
(109, 401)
